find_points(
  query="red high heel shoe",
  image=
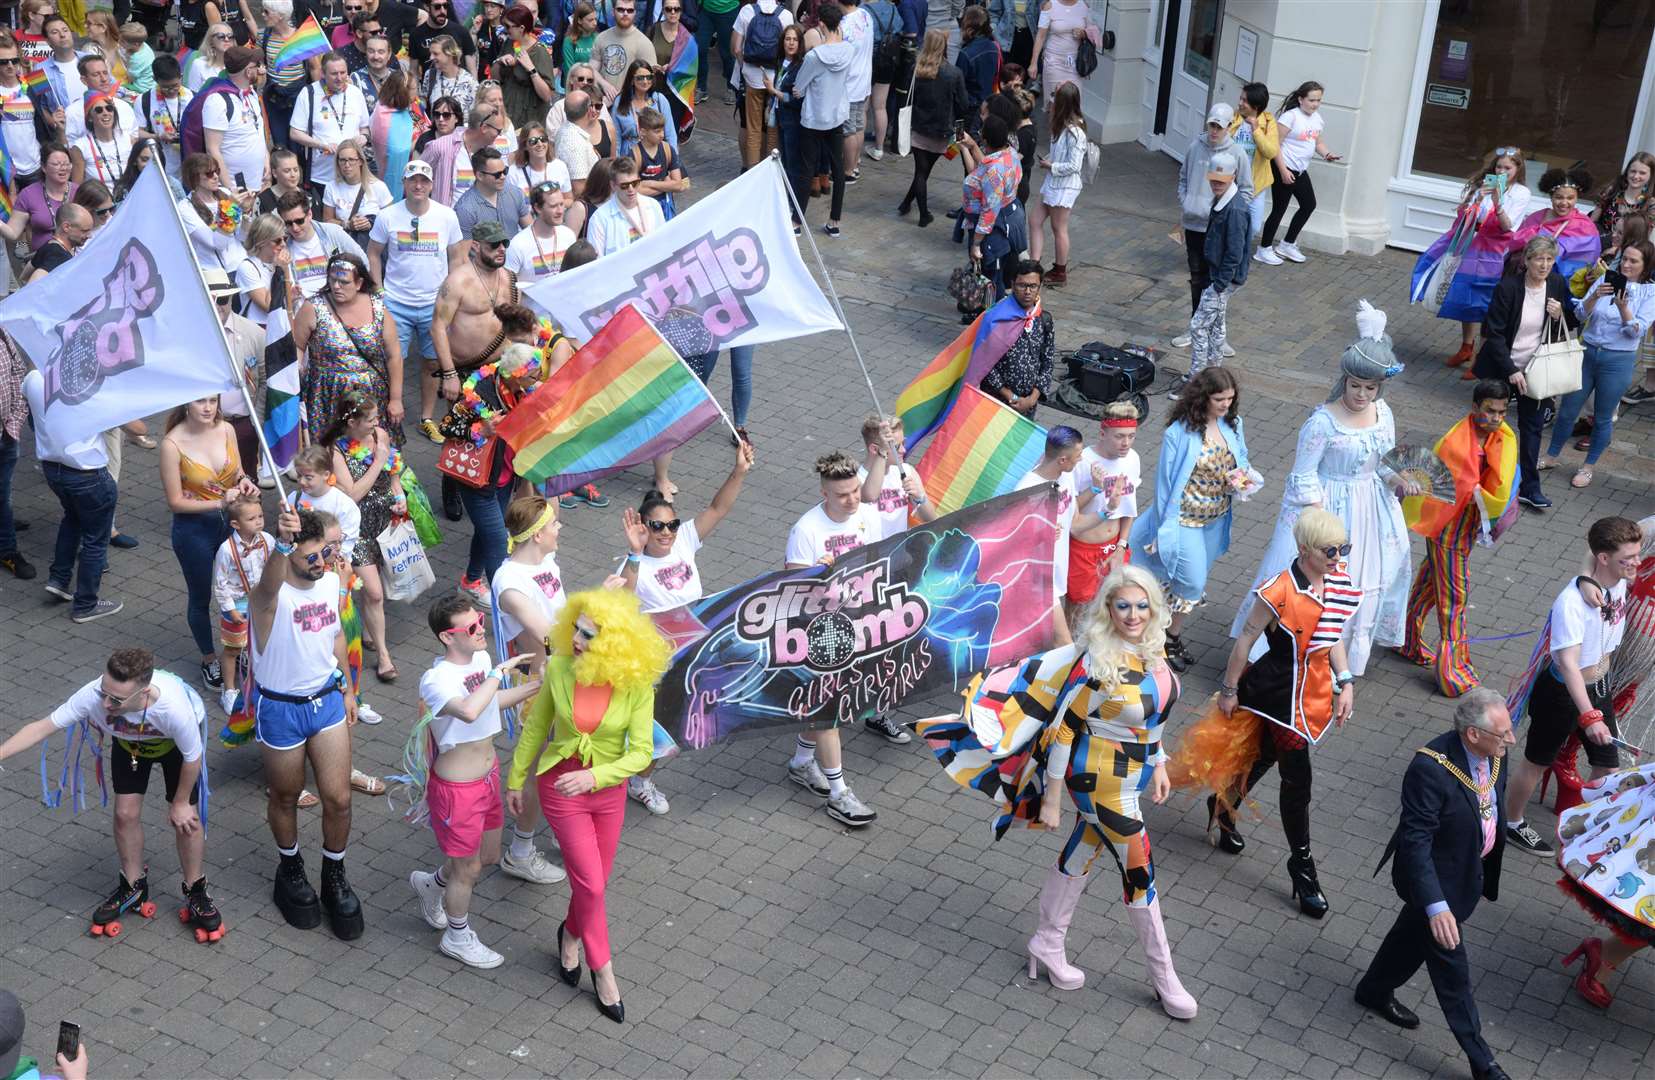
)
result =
(1590, 953)
(1564, 771)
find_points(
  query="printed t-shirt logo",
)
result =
(314, 617)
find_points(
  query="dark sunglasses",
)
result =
(105, 212)
(671, 10)
(664, 526)
(224, 300)
(493, 174)
(1337, 552)
(8, 59)
(444, 114)
(536, 140)
(325, 555)
(628, 185)
(493, 243)
(294, 223)
(103, 109)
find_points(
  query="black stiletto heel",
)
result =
(615, 1012)
(1229, 840)
(570, 976)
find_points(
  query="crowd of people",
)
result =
(386, 199)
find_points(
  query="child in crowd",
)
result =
(236, 569)
(659, 169)
(1097, 542)
(314, 467)
(139, 59)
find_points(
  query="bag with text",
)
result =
(407, 571)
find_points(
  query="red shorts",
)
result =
(463, 810)
(1086, 567)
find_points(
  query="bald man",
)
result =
(74, 224)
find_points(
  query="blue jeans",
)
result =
(413, 331)
(486, 507)
(715, 26)
(88, 500)
(196, 539)
(1256, 210)
(8, 465)
(741, 377)
(1607, 372)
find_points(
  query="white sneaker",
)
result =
(463, 946)
(847, 809)
(1290, 252)
(643, 789)
(1224, 350)
(809, 776)
(536, 868)
(430, 899)
(1182, 341)
(366, 713)
(1267, 256)
(227, 702)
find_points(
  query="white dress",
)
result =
(1336, 467)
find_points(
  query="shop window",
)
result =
(1201, 39)
(1561, 81)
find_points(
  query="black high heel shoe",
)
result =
(1229, 840)
(1178, 657)
(615, 1012)
(570, 976)
(1306, 889)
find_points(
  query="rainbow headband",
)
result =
(527, 534)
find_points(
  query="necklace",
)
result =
(1485, 800)
(493, 298)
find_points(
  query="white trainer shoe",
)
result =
(1182, 341)
(536, 868)
(1290, 252)
(1225, 351)
(430, 899)
(1267, 256)
(367, 714)
(463, 946)
(643, 789)
(227, 701)
(809, 776)
(847, 809)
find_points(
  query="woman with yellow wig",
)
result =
(595, 717)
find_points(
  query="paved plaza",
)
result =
(754, 936)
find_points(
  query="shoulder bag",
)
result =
(1554, 369)
(905, 117)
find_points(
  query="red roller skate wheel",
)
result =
(183, 914)
(147, 909)
(200, 936)
(97, 930)
(216, 934)
(112, 929)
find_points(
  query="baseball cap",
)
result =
(1221, 114)
(237, 57)
(417, 167)
(489, 231)
(1221, 168)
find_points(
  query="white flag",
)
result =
(125, 329)
(724, 272)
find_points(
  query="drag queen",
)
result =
(1085, 718)
(1335, 468)
(1608, 859)
(1269, 712)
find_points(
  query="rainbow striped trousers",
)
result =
(1444, 582)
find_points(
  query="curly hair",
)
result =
(628, 652)
(1105, 649)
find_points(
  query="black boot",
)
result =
(201, 912)
(906, 205)
(294, 897)
(1229, 840)
(344, 909)
(1178, 657)
(452, 508)
(1306, 889)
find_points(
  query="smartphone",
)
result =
(241, 182)
(1616, 280)
(959, 129)
(1497, 181)
(68, 1040)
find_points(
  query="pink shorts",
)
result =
(462, 811)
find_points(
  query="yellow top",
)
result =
(623, 744)
(200, 482)
(1207, 495)
(1266, 145)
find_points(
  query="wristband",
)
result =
(1226, 691)
(632, 556)
(496, 674)
(284, 548)
(1590, 717)
(1342, 679)
(919, 500)
(1096, 490)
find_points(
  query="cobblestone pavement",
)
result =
(757, 938)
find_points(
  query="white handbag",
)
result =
(1554, 369)
(905, 118)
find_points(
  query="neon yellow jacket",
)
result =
(1266, 145)
(622, 746)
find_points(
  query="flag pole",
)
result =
(680, 358)
(224, 339)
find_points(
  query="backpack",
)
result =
(1089, 166)
(192, 137)
(762, 43)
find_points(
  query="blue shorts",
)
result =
(413, 330)
(288, 725)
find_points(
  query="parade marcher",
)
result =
(1203, 466)
(352, 346)
(821, 85)
(355, 196)
(14, 414)
(212, 217)
(526, 71)
(1111, 474)
(1605, 862)
(233, 125)
(1448, 846)
(1335, 467)
(312, 244)
(1063, 448)
(626, 217)
(1481, 454)
(1086, 719)
(325, 114)
(533, 164)
(300, 712)
(1022, 377)
(463, 694)
(367, 467)
(491, 197)
(896, 491)
(755, 40)
(537, 252)
(287, 177)
(595, 717)
(1567, 685)
(1270, 710)
(151, 718)
(1578, 242)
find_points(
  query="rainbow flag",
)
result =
(36, 82)
(5, 179)
(983, 450)
(1493, 485)
(681, 83)
(926, 402)
(305, 42)
(623, 399)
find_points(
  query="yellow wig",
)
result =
(627, 653)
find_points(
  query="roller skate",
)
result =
(200, 911)
(294, 897)
(343, 908)
(106, 920)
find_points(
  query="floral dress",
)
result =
(343, 361)
(376, 504)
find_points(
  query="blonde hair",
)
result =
(932, 52)
(627, 653)
(265, 228)
(1319, 528)
(1106, 650)
(872, 422)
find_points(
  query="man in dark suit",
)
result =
(1447, 846)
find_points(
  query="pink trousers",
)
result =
(588, 830)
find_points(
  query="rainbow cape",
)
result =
(1494, 485)
(681, 82)
(983, 450)
(926, 402)
(1480, 240)
(305, 42)
(626, 397)
(1578, 242)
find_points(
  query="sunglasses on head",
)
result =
(1337, 552)
(665, 526)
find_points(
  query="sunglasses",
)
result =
(493, 174)
(110, 109)
(117, 702)
(8, 59)
(1337, 552)
(643, 77)
(322, 557)
(470, 626)
(629, 185)
(444, 114)
(665, 526)
(492, 244)
(671, 10)
(232, 37)
(223, 301)
(294, 223)
(536, 140)
(105, 211)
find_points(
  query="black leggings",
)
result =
(824, 148)
(1300, 189)
(1195, 253)
(924, 162)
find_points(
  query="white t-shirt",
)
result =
(1575, 622)
(335, 118)
(542, 584)
(310, 257)
(526, 177)
(74, 119)
(1122, 475)
(164, 116)
(415, 265)
(176, 715)
(243, 145)
(672, 580)
(252, 274)
(857, 29)
(1298, 137)
(84, 453)
(105, 161)
(531, 258)
(816, 534)
(752, 75)
(1065, 519)
(893, 501)
(447, 681)
(342, 197)
(17, 121)
(298, 659)
(337, 503)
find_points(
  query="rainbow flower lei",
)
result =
(228, 219)
(362, 452)
(530, 373)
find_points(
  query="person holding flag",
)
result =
(287, 56)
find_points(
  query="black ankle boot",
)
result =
(344, 909)
(1306, 889)
(1178, 657)
(295, 899)
(905, 206)
(1229, 840)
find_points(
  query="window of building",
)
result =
(1201, 39)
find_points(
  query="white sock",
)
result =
(459, 925)
(803, 752)
(522, 844)
(1510, 824)
(836, 781)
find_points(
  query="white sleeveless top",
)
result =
(298, 659)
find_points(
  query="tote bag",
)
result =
(905, 118)
(408, 572)
(1555, 367)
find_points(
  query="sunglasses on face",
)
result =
(492, 244)
(322, 557)
(671, 10)
(470, 626)
(493, 174)
(294, 223)
(664, 526)
(629, 185)
(536, 140)
(1337, 552)
(643, 77)
(8, 59)
(110, 109)
(104, 211)
(225, 37)
(223, 301)
(444, 114)
(116, 702)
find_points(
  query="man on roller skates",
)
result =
(151, 718)
(301, 705)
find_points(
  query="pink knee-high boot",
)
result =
(1152, 934)
(1058, 898)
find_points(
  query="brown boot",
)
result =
(1461, 357)
(1057, 276)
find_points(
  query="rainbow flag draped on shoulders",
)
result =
(927, 401)
(1578, 242)
(624, 398)
(983, 450)
(1484, 468)
(305, 42)
(681, 82)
